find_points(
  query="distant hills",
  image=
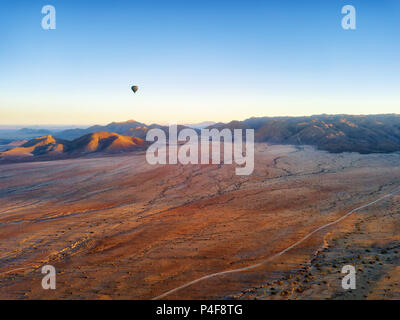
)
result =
(130, 128)
(29, 131)
(200, 125)
(333, 133)
(21, 134)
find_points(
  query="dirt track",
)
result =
(117, 227)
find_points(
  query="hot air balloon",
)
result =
(135, 88)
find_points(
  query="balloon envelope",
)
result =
(135, 88)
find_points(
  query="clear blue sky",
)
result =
(196, 60)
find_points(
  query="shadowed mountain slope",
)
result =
(334, 133)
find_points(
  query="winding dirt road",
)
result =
(277, 254)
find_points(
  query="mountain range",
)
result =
(333, 133)
(129, 128)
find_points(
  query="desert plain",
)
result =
(116, 227)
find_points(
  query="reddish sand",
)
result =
(118, 228)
